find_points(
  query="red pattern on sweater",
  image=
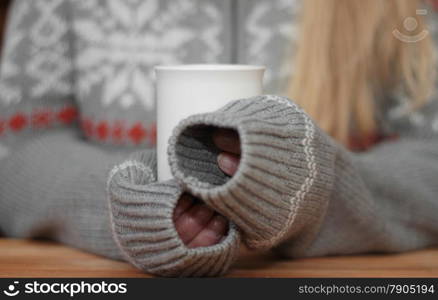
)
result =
(137, 133)
(67, 115)
(102, 131)
(117, 133)
(18, 122)
(41, 118)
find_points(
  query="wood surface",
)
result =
(25, 258)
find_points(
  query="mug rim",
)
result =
(210, 67)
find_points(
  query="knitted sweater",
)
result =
(297, 191)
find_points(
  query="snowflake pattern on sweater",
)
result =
(114, 46)
(119, 42)
(36, 63)
(36, 71)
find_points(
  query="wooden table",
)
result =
(22, 258)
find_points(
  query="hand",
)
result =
(228, 141)
(196, 224)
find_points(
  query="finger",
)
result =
(228, 163)
(227, 140)
(184, 203)
(191, 222)
(212, 234)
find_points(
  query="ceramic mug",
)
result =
(184, 90)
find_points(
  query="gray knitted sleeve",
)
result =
(298, 191)
(141, 214)
(60, 187)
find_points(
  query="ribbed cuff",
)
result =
(141, 212)
(285, 172)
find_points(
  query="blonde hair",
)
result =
(348, 56)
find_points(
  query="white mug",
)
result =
(185, 90)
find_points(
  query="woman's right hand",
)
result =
(228, 141)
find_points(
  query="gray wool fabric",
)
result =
(68, 202)
(53, 186)
(297, 191)
(300, 192)
(141, 214)
(118, 43)
(36, 72)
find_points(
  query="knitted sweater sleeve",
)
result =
(61, 187)
(298, 191)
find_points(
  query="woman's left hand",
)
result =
(228, 141)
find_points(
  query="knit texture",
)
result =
(142, 211)
(383, 200)
(36, 73)
(296, 190)
(118, 43)
(299, 191)
(54, 186)
(286, 167)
